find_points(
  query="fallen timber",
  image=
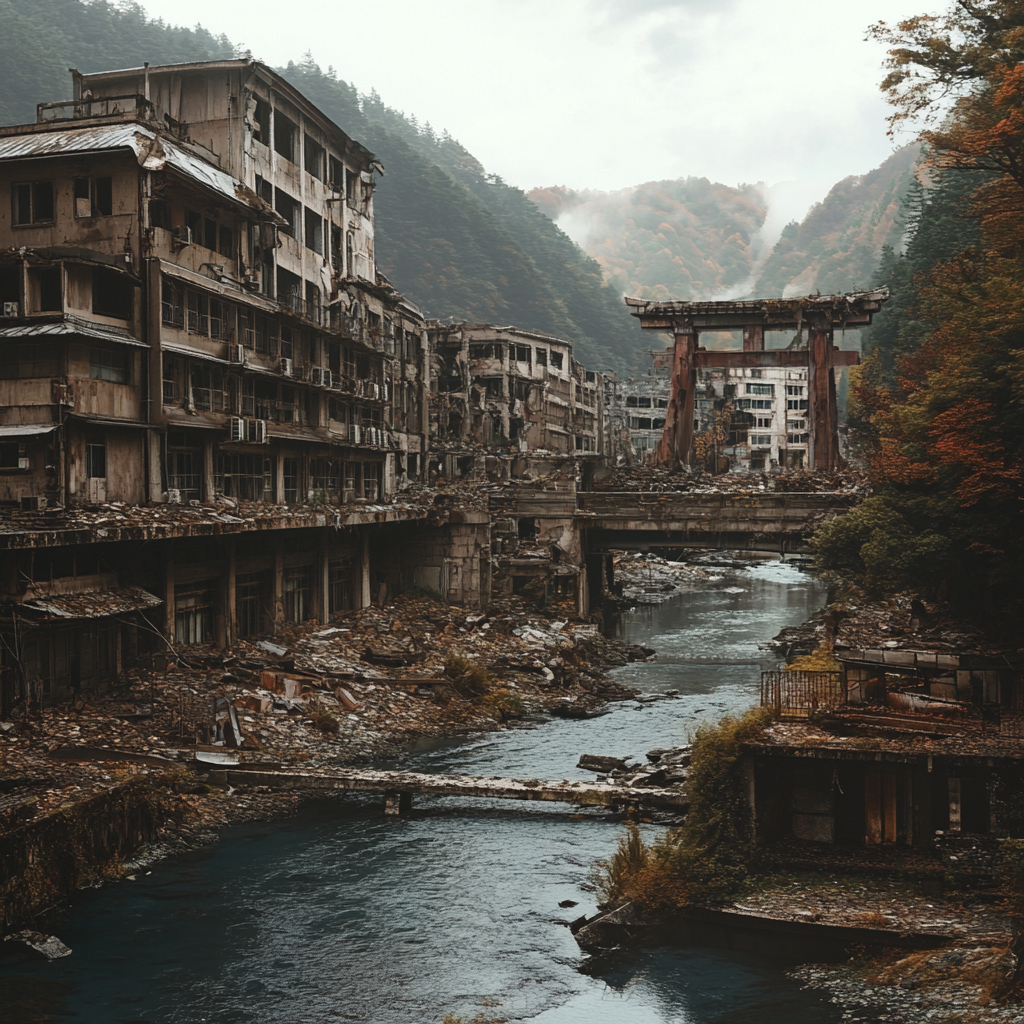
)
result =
(399, 787)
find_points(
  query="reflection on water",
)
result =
(341, 915)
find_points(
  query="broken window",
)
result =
(289, 209)
(109, 364)
(173, 375)
(32, 203)
(220, 319)
(521, 353)
(297, 594)
(113, 294)
(193, 613)
(556, 360)
(481, 351)
(248, 477)
(46, 287)
(14, 455)
(160, 213)
(184, 466)
(542, 356)
(207, 388)
(314, 157)
(351, 181)
(261, 123)
(194, 227)
(265, 190)
(249, 589)
(94, 197)
(314, 231)
(336, 174)
(760, 389)
(287, 351)
(289, 289)
(285, 132)
(336, 249)
(96, 460)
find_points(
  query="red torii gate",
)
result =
(819, 314)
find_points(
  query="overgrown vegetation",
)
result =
(937, 407)
(706, 860)
(324, 720)
(465, 678)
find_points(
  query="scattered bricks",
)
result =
(254, 702)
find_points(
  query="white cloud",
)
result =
(605, 93)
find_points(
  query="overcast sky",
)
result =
(606, 93)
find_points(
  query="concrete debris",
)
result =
(49, 945)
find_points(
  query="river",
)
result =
(339, 914)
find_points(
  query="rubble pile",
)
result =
(696, 481)
(337, 695)
(960, 984)
(664, 766)
(650, 579)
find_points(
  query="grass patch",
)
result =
(465, 678)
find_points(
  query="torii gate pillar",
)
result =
(677, 438)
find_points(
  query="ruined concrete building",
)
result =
(503, 388)
(213, 404)
(635, 411)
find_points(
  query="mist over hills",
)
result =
(695, 239)
(463, 244)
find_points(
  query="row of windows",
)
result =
(33, 202)
(517, 354)
(645, 423)
(754, 403)
(643, 402)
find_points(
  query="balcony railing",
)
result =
(131, 106)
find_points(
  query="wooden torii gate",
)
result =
(819, 315)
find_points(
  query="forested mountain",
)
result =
(683, 239)
(694, 239)
(837, 245)
(459, 242)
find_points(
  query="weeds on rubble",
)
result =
(504, 704)
(466, 679)
(324, 720)
(819, 660)
(705, 860)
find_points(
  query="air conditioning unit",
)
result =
(320, 377)
(257, 431)
(287, 368)
(238, 429)
(236, 354)
(182, 236)
(11, 309)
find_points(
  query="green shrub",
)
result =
(707, 858)
(324, 720)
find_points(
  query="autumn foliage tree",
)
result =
(938, 405)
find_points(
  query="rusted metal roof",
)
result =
(26, 429)
(153, 152)
(70, 325)
(97, 604)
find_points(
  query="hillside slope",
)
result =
(836, 248)
(683, 239)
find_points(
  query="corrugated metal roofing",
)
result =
(70, 325)
(97, 604)
(152, 152)
(26, 429)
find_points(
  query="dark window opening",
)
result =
(291, 481)
(160, 214)
(314, 231)
(10, 285)
(193, 613)
(226, 242)
(556, 360)
(289, 289)
(13, 455)
(261, 122)
(297, 595)
(49, 281)
(172, 304)
(314, 157)
(285, 130)
(104, 196)
(32, 202)
(113, 294)
(249, 590)
(289, 209)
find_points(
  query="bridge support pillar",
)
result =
(396, 803)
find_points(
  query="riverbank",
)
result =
(365, 688)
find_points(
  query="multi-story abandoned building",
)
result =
(635, 414)
(503, 388)
(755, 418)
(192, 320)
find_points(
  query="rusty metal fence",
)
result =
(797, 694)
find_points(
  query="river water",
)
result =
(339, 914)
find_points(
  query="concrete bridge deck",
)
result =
(399, 787)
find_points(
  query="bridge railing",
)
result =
(790, 694)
